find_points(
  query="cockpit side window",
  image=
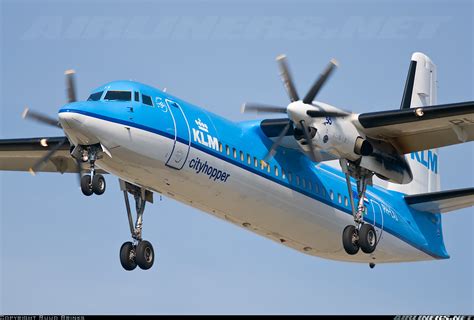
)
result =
(137, 98)
(95, 96)
(118, 96)
(147, 100)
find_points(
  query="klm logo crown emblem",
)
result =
(202, 126)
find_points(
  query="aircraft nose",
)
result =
(75, 125)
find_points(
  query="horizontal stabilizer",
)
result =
(442, 201)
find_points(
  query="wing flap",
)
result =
(421, 128)
(443, 201)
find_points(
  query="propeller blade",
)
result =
(286, 77)
(322, 114)
(70, 85)
(45, 159)
(308, 99)
(315, 154)
(277, 142)
(40, 117)
(261, 108)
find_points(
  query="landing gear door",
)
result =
(182, 136)
(377, 218)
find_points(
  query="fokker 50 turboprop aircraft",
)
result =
(326, 182)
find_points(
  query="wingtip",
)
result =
(281, 57)
(69, 71)
(335, 62)
(32, 171)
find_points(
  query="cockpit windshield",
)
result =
(118, 96)
(95, 96)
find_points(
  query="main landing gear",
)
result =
(138, 251)
(92, 182)
(360, 235)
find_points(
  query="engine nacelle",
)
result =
(387, 164)
(338, 137)
(341, 139)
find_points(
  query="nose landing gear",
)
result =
(361, 235)
(92, 182)
(139, 252)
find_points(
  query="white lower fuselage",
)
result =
(245, 199)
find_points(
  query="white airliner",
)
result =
(323, 181)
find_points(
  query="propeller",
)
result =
(308, 99)
(277, 142)
(70, 85)
(46, 157)
(290, 88)
(286, 78)
(315, 154)
(42, 118)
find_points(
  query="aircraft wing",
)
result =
(442, 201)
(422, 128)
(23, 154)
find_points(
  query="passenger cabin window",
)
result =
(147, 100)
(95, 96)
(137, 98)
(118, 96)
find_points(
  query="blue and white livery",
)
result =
(302, 180)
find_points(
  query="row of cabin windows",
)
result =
(306, 184)
(339, 198)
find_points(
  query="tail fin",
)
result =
(421, 90)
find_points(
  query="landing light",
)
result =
(44, 142)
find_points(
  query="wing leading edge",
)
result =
(416, 129)
(23, 154)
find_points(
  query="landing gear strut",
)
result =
(360, 235)
(93, 182)
(138, 252)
